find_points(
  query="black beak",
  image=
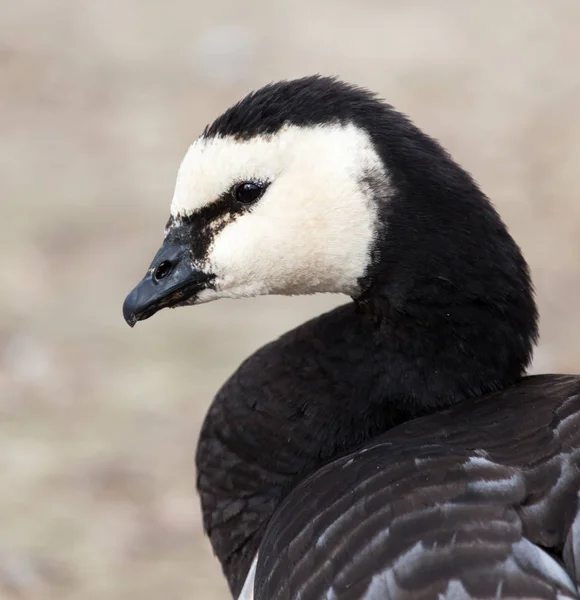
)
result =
(171, 280)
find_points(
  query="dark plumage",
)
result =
(313, 454)
(476, 485)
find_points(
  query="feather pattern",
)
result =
(473, 502)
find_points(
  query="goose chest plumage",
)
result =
(392, 447)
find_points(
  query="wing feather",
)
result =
(474, 502)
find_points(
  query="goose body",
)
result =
(391, 448)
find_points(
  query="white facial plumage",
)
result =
(314, 227)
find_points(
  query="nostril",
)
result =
(163, 270)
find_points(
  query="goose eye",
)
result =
(248, 192)
(163, 270)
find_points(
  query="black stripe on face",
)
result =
(200, 229)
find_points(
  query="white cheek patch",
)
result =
(314, 228)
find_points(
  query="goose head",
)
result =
(270, 200)
(315, 185)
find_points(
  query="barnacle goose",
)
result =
(391, 448)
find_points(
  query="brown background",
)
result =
(99, 100)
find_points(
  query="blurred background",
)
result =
(99, 99)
